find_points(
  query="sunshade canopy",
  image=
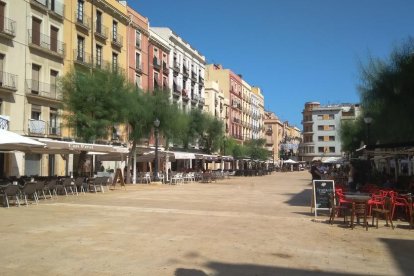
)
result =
(10, 141)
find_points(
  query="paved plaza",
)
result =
(238, 226)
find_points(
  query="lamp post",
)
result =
(368, 121)
(156, 125)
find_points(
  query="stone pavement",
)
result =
(238, 226)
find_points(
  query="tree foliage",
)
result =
(387, 96)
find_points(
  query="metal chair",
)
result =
(50, 187)
(79, 181)
(29, 189)
(13, 192)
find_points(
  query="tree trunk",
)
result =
(128, 172)
(81, 162)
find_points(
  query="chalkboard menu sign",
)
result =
(322, 190)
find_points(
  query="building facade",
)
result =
(186, 67)
(138, 62)
(215, 103)
(158, 69)
(247, 110)
(321, 125)
(260, 115)
(273, 135)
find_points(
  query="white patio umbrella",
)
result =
(289, 161)
(10, 141)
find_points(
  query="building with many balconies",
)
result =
(259, 131)
(274, 130)
(321, 125)
(158, 71)
(186, 68)
(247, 110)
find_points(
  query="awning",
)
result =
(183, 155)
(10, 141)
(208, 157)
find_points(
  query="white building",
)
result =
(187, 68)
(321, 125)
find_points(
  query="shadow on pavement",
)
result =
(226, 269)
(300, 199)
(402, 252)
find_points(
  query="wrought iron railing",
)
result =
(4, 123)
(117, 39)
(8, 27)
(82, 57)
(46, 42)
(101, 30)
(83, 19)
(46, 90)
(8, 80)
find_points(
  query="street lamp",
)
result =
(368, 121)
(156, 125)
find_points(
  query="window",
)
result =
(115, 62)
(114, 31)
(53, 83)
(321, 127)
(138, 61)
(331, 138)
(321, 149)
(331, 116)
(36, 30)
(331, 149)
(137, 80)
(138, 39)
(35, 78)
(99, 22)
(1, 68)
(54, 39)
(320, 117)
(53, 121)
(320, 138)
(156, 80)
(79, 15)
(80, 51)
(98, 56)
(36, 112)
(331, 127)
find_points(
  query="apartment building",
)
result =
(137, 49)
(231, 84)
(274, 134)
(247, 110)
(215, 103)
(186, 71)
(321, 125)
(158, 70)
(259, 131)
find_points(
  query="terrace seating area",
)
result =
(29, 190)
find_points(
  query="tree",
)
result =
(387, 96)
(93, 102)
(255, 149)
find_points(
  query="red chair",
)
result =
(341, 197)
(399, 202)
(378, 200)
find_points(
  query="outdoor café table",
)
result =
(359, 206)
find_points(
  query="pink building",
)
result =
(138, 62)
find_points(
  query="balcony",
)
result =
(37, 89)
(82, 21)
(101, 31)
(4, 122)
(201, 80)
(46, 44)
(8, 82)
(8, 29)
(165, 68)
(139, 67)
(185, 95)
(116, 40)
(235, 120)
(194, 98)
(55, 8)
(185, 71)
(82, 58)
(176, 66)
(176, 90)
(193, 76)
(42, 128)
(156, 64)
(138, 43)
(201, 101)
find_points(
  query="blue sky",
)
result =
(295, 50)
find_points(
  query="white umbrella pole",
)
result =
(134, 166)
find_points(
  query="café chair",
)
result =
(11, 191)
(51, 188)
(29, 189)
(376, 212)
(336, 210)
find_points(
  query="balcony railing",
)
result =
(138, 44)
(8, 28)
(117, 39)
(185, 71)
(201, 80)
(139, 66)
(82, 58)
(41, 89)
(201, 101)
(101, 31)
(8, 81)
(185, 94)
(156, 63)
(176, 89)
(165, 68)
(37, 127)
(55, 130)
(4, 122)
(193, 76)
(82, 20)
(176, 66)
(46, 43)
(57, 7)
